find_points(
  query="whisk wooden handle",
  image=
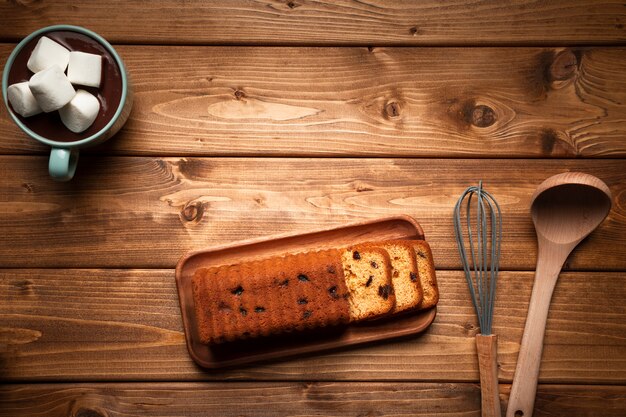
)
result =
(488, 365)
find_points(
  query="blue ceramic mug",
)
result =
(64, 154)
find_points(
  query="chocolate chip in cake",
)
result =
(374, 265)
(307, 314)
(369, 281)
(243, 311)
(259, 309)
(284, 284)
(237, 291)
(333, 292)
(384, 291)
(421, 254)
(303, 278)
(302, 301)
(331, 269)
(413, 276)
(356, 255)
(224, 307)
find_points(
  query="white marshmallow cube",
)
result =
(46, 54)
(84, 69)
(80, 113)
(22, 100)
(51, 88)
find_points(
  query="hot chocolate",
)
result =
(109, 93)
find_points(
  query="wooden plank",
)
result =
(273, 399)
(434, 102)
(148, 212)
(342, 22)
(124, 325)
(285, 399)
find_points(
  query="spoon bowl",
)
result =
(565, 209)
(567, 213)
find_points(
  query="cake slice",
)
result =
(367, 271)
(426, 268)
(404, 274)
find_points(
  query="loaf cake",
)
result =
(367, 271)
(426, 268)
(270, 296)
(314, 289)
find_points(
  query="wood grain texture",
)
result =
(147, 212)
(291, 399)
(125, 325)
(342, 22)
(433, 102)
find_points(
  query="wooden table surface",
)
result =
(253, 118)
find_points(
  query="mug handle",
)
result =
(62, 164)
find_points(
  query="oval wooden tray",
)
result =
(278, 347)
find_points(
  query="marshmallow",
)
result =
(51, 88)
(80, 113)
(22, 100)
(46, 54)
(84, 69)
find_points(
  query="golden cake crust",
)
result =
(271, 296)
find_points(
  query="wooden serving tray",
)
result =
(279, 347)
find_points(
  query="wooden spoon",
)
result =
(565, 209)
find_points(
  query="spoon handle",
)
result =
(524, 388)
